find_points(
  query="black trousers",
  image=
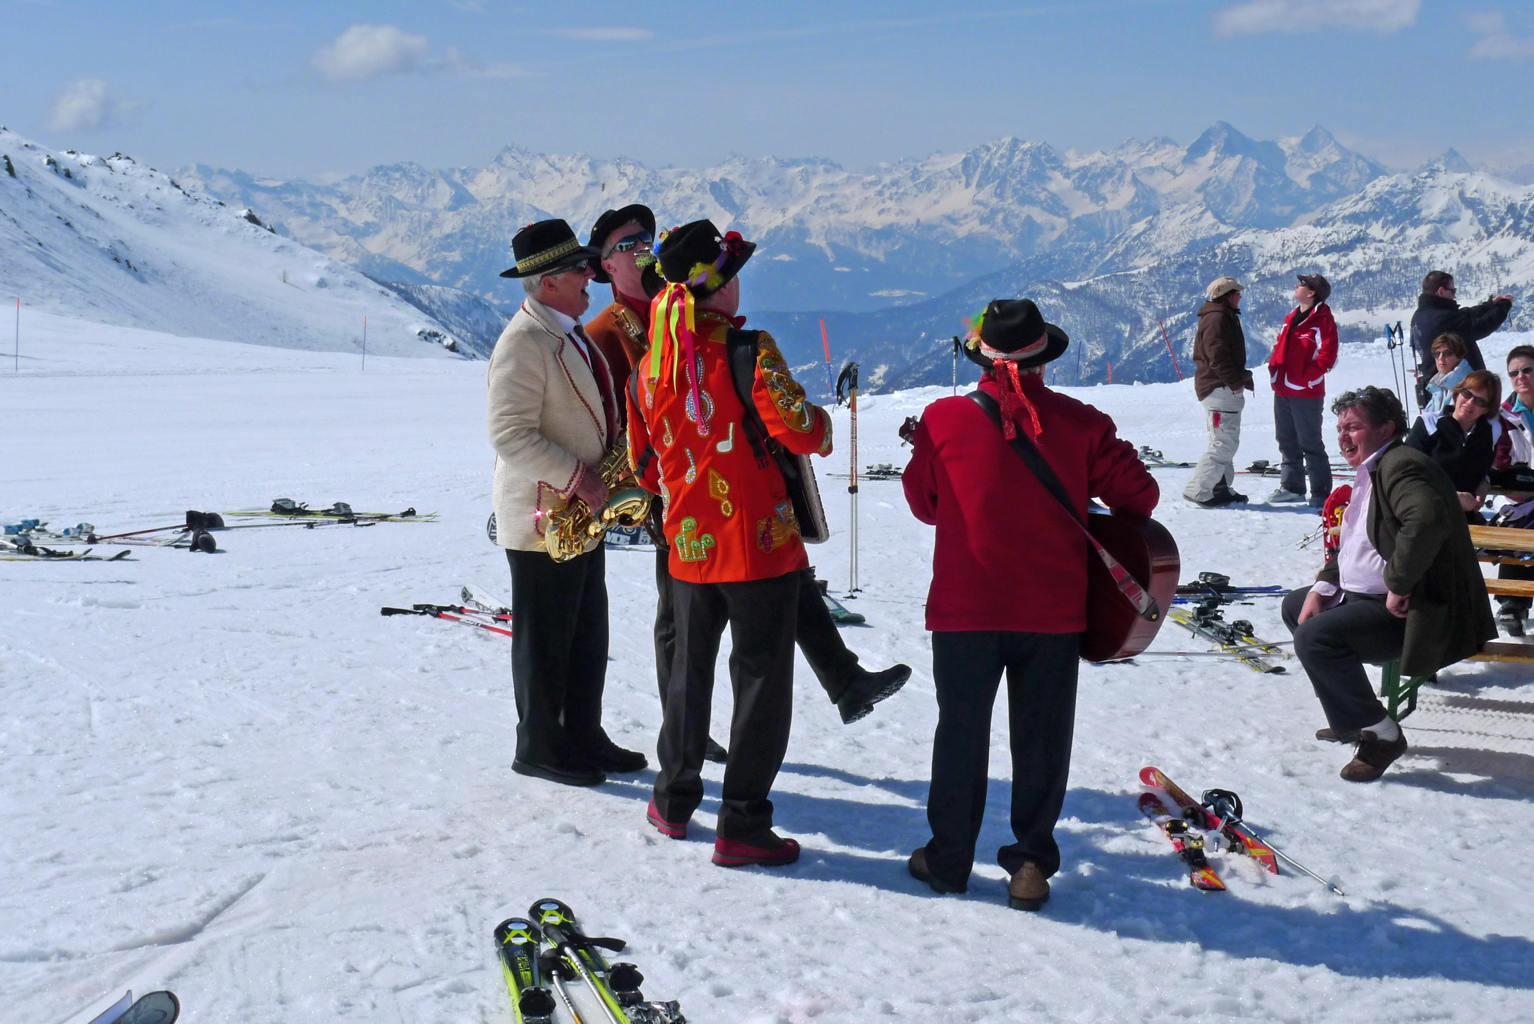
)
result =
(1297, 424)
(1041, 715)
(1515, 572)
(1334, 645)
(815, 632)
(760, 615)
(558, 654)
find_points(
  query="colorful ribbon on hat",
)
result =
(675, 317)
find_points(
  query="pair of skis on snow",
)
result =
(288, 509)
(1197, 827)
(546, 954)
(479, 610)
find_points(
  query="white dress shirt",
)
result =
(1360, 569)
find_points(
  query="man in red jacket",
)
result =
(1009, 591)
(736, 559)
(1304, 354)
(624, 238)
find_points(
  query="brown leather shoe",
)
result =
(1331, 736)
(1373, 756)
(1029, 889)
(917, 866)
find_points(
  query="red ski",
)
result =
(1188, 844)
(1241, 840)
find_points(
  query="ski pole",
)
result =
(1169, 351)
(849, 377)
(435, 612)
(956, 344)
(825, 343)
(1224, 806)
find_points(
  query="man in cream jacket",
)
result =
(553, 415)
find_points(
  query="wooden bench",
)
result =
(1495, 545)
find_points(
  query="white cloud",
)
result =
(369, 51)
(364, 52)
(607, 35)
(1497, 40)
(1257, 16)
(87, 104)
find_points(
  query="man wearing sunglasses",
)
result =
(624, 238)
(554, 413)
(1439, 313)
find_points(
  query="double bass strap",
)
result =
(1144, 604)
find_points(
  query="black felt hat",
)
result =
(1015, 326)
(610, 221)
(544, 246)
(701, 256)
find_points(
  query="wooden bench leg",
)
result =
(1395, 691)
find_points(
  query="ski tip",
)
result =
(155, 1008)
(513, 927)
(550, 909)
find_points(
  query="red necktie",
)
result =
(604, 381)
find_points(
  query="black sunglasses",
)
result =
(579, 266)
(1520, 371)
(1476, 399)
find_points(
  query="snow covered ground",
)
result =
(228, 775)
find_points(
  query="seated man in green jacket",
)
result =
(1404, 584)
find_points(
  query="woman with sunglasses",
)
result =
(1516, 448)
(1449, 358)
(1463, 442)
(1515, 452)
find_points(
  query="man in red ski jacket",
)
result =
(1305, 353)
(1009, 591)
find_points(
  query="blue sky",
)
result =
(319, 90)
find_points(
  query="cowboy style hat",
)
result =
(701, 256)
(1016, 328)
(547, 245)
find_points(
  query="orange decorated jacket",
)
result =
(728, 516)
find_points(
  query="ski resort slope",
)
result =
(115, 241)
(229, 776)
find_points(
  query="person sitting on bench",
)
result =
(1404, 584)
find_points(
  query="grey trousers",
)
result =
(1297, 422)
(1334, 645)
(1222, 416)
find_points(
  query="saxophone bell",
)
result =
(576, 525)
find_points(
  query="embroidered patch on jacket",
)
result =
(704, 423)
(778, 528)
(719, 490)
(692, 546)
(787, 393)
(665, 437)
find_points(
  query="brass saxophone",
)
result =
(574, 526)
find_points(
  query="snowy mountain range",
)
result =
(112, 240)
(1373, 246)
(1114, 244)
(830, 238)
